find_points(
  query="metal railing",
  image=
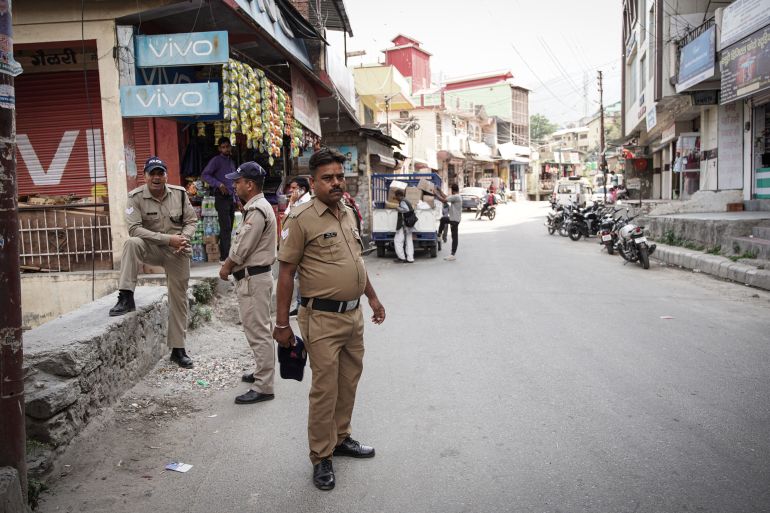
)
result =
(60, 238)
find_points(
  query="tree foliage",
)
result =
(540, 127)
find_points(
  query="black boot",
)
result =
(179, 356)
(125, 303)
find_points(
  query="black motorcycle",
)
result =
(584, 222)
(489, 211)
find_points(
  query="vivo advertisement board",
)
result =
(698, 60)
(171, 100)
(191, 49)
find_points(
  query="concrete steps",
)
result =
(758, 243)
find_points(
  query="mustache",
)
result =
(336, 189)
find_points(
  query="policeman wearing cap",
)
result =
(320, 239)
(161, 221)
(252, 254)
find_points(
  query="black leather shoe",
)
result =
(248, 377)
(125, 303)
(323, 475)
(350, 447)
(252, 396)
(179, 356)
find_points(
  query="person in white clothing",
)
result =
(299, 193)
(403, 239)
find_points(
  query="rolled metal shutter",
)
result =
(56, 154)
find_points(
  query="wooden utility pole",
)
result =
(12, 431)
(603, 161)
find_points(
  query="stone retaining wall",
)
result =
(81, 362)
(708, 233)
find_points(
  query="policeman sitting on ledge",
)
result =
(161, 221)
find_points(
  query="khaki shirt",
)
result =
(155, 221)
(326, 250)
(255, 238)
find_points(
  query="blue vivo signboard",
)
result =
(698, 60)
(169, 100)
(190, 49)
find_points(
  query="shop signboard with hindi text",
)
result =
(170, 100)
(730, 147)
(190, 49)
(745, 67)
(741, 18)
(305, 103)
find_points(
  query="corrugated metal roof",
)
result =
(333, 15)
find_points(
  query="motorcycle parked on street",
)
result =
(608, 230)
(555, 219)
(632, 244)
(584, 222)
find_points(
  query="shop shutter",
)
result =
(141, 132)
(56, 154)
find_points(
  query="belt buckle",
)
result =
(349, 305)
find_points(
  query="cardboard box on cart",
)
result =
(427, 186)
(413, 195)
(394, 186)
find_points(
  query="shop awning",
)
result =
(480, 149)
(383, 160)
(509, 151)
(450, 154)
(385, 85)
(299, 25)
(519, 160)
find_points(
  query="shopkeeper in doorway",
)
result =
(215, 174)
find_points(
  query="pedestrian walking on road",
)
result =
(250, 261)
(404, 228)
(320, 240)
(161, 221)
(215, 174)
(443, 224)
(455, 202)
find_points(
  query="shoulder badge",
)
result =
(176, 187)
(296, 211)
(136, 191)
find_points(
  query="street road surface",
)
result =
(534, 374)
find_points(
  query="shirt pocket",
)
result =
(357, 237)
(176, 217)
(330, 248)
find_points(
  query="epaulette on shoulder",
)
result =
(176, 187)
(296, 211)
(136, 191)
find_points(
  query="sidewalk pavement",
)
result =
(715, 265)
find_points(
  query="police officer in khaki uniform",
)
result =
(320, 239)
(161, 221)
(252, 254)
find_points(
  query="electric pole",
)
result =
(12, 429)
(603, 161)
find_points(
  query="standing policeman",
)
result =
(161, 221)
(251, 256)
(321, 240)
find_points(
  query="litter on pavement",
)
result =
(178, 466)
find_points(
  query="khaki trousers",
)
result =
(254, 300)
(335, 346)
(177, 267)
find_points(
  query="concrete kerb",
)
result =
(719, 266)
(11, 499)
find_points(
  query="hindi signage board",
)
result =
(745, 67)
(742, 18)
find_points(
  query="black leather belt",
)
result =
(330, 305)
(254, 269)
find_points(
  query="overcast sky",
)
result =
(562, 41)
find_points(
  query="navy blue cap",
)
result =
(249, 170)
(155, 163)
(292, 360)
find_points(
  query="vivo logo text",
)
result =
(160, 99)
(171, 48)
